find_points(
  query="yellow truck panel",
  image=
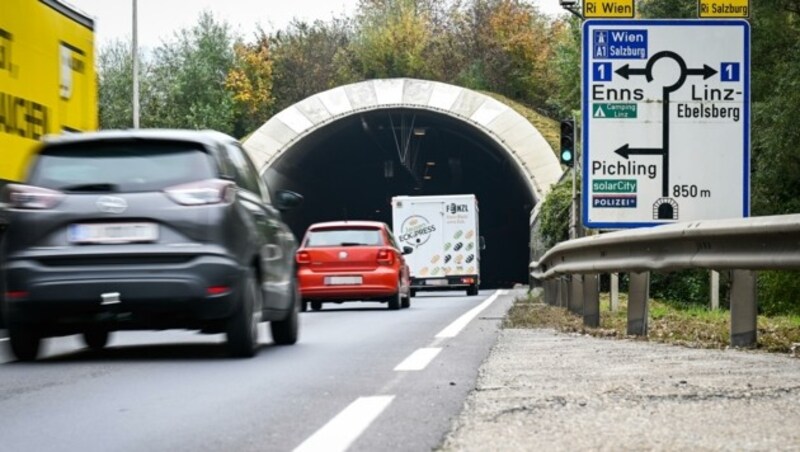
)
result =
(47, 77)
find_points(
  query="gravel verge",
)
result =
(544, 390)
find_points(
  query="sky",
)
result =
(159, 19)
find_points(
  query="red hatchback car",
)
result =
(352, 261)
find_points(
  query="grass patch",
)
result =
(548, 127)
(686, 325)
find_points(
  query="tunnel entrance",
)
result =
(351, 169)
(350, 149)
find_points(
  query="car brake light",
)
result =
(30, 197)
(468, 280)
(303, 257)
(211, 191)
(16, 295)
(217, 290)
(385, 256)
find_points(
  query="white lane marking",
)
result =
(340, 432)
(418, 360)
(454, 328)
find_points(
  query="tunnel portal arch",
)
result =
(347, 151)
(510, 131)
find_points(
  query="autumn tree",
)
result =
(250, 83)
(508, 46)
(390, 41)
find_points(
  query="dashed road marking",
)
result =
(418, 360)
(340, 432)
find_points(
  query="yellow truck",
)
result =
(47, 77)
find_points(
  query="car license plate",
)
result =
(436, 282)
(343, 280)
(113, 232)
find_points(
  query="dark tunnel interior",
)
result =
(351, 168)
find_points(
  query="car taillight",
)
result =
(303, 257)
(16, 295)
(30, 197)
(211, 191)
(385, 256)
(217, 290)
(468, 280)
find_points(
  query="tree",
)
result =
(390, 41)
(305, 58)
(667, 9)
(250, 82)
(115, 84)
(189, 76)
(508, 46)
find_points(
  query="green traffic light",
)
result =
(566, 155)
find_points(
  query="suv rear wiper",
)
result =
(98, 187)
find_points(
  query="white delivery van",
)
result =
(443, 230)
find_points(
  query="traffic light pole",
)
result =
(574, 230)
(573, 218)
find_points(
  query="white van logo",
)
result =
(415, 231)
(457, 208)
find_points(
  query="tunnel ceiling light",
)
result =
(419, 131)
(430, 163)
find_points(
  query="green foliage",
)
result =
(567, 63)
(667, 9)
(115, 86)
(555, 213)
(682, 287)
(779, 293)
(189, 73)
(306, 57)
(776, 90)
(390, 41)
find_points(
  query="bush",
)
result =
(777, 293)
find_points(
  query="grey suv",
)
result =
(153, 229)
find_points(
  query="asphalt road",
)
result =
(361, 378)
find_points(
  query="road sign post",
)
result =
(666, 121)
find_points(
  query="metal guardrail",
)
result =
(569, 270)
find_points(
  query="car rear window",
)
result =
(344, 237)
(120, 167)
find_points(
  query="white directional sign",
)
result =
(666, 121)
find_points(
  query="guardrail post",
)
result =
(614, 292)
(637, 303)
(563, 291)
(744, 308)
(576, 294)
(551, 291)
(591, 301)
(714, 289)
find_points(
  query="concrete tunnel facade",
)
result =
(348, 150)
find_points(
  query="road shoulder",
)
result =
(542, 389)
